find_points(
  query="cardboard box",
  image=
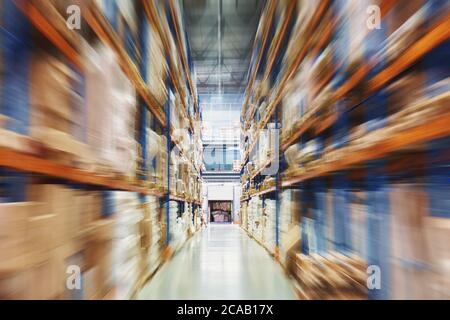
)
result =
(438, 248)
(44, 281)
(15, 244)
(14, 286)
(41, 237)
(408, 205)
(91, 286)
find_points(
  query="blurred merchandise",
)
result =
(362, 102)
(326, 130)
(84, 149)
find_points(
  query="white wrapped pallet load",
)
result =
(111, 102)
(126, 242)
(255, 217)
(173, 225)
(269, 224)
(99, 62)
(155, 235)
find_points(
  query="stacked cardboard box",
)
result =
(437, 238)
(255, 217)
(175, 222)
(154, 231)
(334, 276)
(19, 255)
(58, 239)
(56, 110)
(98, 277)
(111, 101)
(244, 215)
(174, 160)
(269, 223)
(288, 228)
(157, 68)
(198, 218)
(154, 144)
(409, 257)
(126, 243)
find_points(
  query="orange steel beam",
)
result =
(47, 29)
(33, 164)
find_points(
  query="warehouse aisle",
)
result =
(221, 262)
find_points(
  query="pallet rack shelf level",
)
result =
(276, 44)
(288, 75)
(290, 72)
(152, 17)
(50, 32)
(265, 191)
(436, 36)
(33, 164)
(260, 193)
(183, 55)
(183, 199)
(106, 33)
(261, 168)
(432, 130)
(277, 41)
(269, 13)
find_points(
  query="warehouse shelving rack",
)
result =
(436, 36)
(287, 76)
(33, 164)
(277, 37)
(107, 34)
(24, 163)
(176, 26)
(274, 51)
(48, 30)
(268, 13)
(152, 16)
(368, 164)
(436, 129)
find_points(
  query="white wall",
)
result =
(220, 192)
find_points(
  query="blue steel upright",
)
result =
(16, 51)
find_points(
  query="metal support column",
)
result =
(16, 52)
(167, 110)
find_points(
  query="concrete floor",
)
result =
(221, 262)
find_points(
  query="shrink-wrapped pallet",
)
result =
(155, 242)
(111, 101)
(126, 243)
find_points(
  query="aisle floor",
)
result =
(221, 262)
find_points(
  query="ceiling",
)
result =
(230, 44)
